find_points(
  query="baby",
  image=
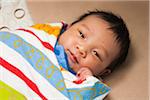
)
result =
(95, 44)
(91, 46)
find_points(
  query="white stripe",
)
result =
(69, 78)
(31, 39)
(45, 87)
(15, 82)
(46, 36)
(101, 97)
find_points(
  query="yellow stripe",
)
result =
(8, 93)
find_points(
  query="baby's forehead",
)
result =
(97, 19)
(94, 17)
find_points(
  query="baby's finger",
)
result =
(80, 71)
(85, 73)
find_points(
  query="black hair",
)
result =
(119, 28)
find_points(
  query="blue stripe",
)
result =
(37, 60)
(88, 93)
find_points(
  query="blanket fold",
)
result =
(29, 66)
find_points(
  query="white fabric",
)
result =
(14, 14)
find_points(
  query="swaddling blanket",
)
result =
(29, 68)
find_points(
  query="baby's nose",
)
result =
(81, 50)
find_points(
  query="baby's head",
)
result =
(98, 40)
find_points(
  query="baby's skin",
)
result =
(82, 74)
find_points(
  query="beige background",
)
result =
(130, 82)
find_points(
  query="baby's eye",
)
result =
(97, 55)
(81, 35)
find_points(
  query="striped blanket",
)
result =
(29, 68)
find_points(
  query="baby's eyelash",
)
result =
(81, 34)
(95, 53)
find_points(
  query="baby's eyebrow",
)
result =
(86, 27)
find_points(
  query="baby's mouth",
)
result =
(72, 57)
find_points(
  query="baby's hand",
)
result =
(82, 74)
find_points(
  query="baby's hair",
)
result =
(119, 28)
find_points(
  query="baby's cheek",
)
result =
(95, 67)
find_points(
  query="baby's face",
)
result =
(89, 43)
